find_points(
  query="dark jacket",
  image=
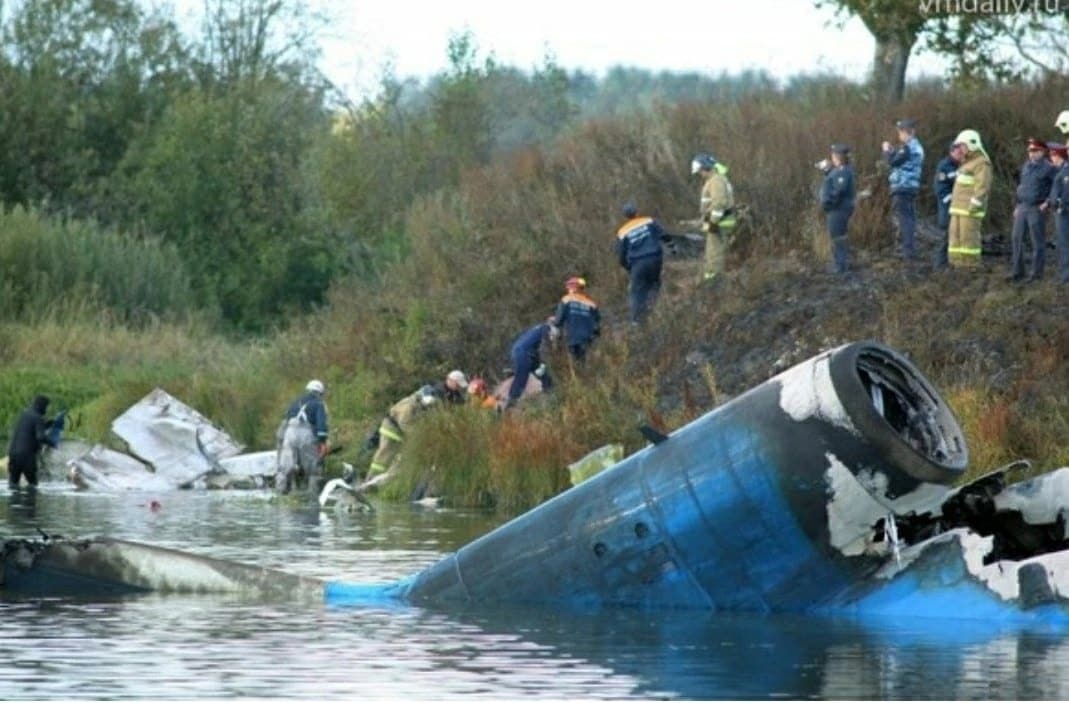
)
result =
(31, 430)
(1035, 183)
(315, 412)
(838, 193)
(526, 346)
(943, 181)
(638, 238)
(1058, 200)
(580, 318)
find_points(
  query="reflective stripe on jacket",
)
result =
(972, 186)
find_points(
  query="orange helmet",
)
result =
(575, 282)
(477, 386)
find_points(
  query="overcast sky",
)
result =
(784, 37)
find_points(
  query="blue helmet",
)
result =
(629, 209)
(702, 162)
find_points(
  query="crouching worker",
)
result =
(393, 428)
(527, 359)
(302, 441)
(32, 433)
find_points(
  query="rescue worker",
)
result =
(968, 201)
(942, 186)
(1029, 214)
(906, 160)
(301, 441)
(452, 390)
(31, 434)
(526, 356)
(1062, 123)
(837, 199)
(401, 415)
(578, 316)
(716, 210)
(639, 251)
(1058, 204)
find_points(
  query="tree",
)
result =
(896, 26)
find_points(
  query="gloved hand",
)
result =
(946, 199)
(540, 371)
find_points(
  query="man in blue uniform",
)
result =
(527, 359)
(837, 199)
(577, 314)
(906, 161)
(1029, 216)
(946, 172)
(301, 440)
(638, 248)
(31, 434)
(1058, 204)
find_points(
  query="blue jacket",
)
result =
(943, 181)
(1036, 178)
(527, 344)
(838, 194)
(1058, 200)
(638, 238)
(314, 411)
(580, 318)
(906, 161)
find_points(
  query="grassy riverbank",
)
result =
(484, 259)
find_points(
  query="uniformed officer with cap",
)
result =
(1058, 203)
(837, 199)
(1029, 215)
(906, 161)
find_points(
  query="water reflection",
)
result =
(189, 647)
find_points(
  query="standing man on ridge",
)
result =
(946, 172)
(1030, 212)
(968, 201)
(906, 161)
(717, 212)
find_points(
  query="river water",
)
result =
(213, 646)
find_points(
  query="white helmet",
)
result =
(971, 139)
(1062, 123)
(457, 376)
(315, 386)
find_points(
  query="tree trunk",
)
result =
(889, 67)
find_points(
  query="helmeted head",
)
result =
(316, 386)
(970, 138)
(702, 162)
(1062, 123)
(629, 210)
(40, 403)
(575, 283)
(456, 380)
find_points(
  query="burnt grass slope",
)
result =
(994, 349)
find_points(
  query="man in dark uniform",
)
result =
(837, 199)
(30, 435)
(527, 359)
(1029, 216)
(1058, 203)
(906, 160)
(638, 248)
(946, 172)
(577, 314)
